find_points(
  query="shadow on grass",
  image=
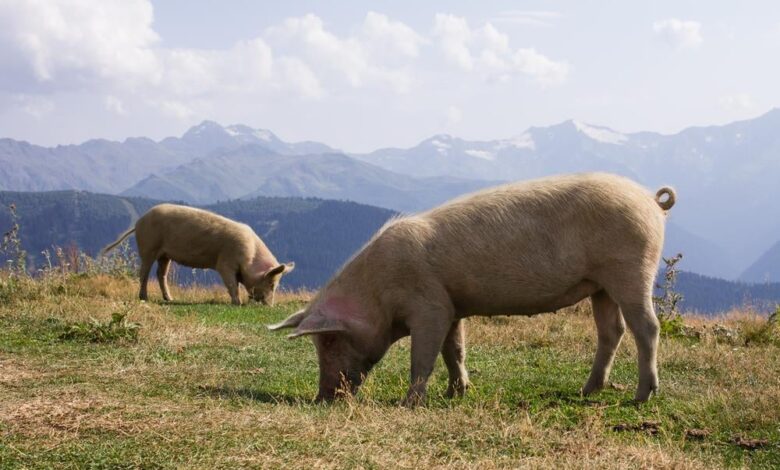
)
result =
(556, 398)
(256, 395)
(189, 303)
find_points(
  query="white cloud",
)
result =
(454, 116)
(106, 56)
(35, 106)
(537, 65)
(363, 60)
(486, 50)
(679, 33)
(114, 105)
(175, 109)
(527, 17)
(454, 36)
(244, 67)
(736, 102)
(79, 41)
(298, 74)
(387, 35)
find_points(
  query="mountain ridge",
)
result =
(725, 175)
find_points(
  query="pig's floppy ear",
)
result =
(279, 270)
(290, 322)
(317, 323)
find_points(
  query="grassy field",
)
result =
(204, 385)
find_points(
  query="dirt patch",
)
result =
(12, 372)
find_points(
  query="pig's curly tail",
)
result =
(670, 199)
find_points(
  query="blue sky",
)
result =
(364, 75)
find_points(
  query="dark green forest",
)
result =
(708, 294)
(319, 235)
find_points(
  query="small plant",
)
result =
(121, 262)
(666, 304)
(118, 328)
(11, 248)
(767, 332)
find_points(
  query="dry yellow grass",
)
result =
(205, 386)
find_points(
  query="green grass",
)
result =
(207, 386)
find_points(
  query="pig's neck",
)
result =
(261, 262)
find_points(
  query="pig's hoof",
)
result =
(591, 387)
(458, 388)
(413, 400)
(644, 394)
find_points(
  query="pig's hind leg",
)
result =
(143, 274)
(454, 353)
(163, 265)
(610, 328)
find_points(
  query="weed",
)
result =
(11, 247)
(762, 332)
(118, 328)
(666, 304)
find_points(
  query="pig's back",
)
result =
(524, 241)
(191, 236)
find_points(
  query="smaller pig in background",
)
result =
(201, 239)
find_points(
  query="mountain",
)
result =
(96, 165)
(765, 268)
(110, 167)
(254, 170)
(318, 235)
(725, 176)
(539, 151)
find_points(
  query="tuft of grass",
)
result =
(761, 332)
(117, 328)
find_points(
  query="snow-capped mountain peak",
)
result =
(600, 134)
(522, 141)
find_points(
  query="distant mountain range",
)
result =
(318, 235)
(254, 170)
(725, 222)
(727, 177)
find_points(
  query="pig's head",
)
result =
(348, 343)
(264, 286)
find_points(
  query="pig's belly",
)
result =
(520, 303)
(192, 257)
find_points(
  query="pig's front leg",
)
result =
(231, 282)
(454, 353)
(428, 334)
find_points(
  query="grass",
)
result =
(204, 385)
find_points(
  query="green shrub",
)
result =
(117, 329)
(763, 333)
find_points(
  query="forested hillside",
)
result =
(712, 295)
(318, 235)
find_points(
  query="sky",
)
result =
(364, 75)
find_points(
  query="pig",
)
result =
(201, 239)
(519, 249)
